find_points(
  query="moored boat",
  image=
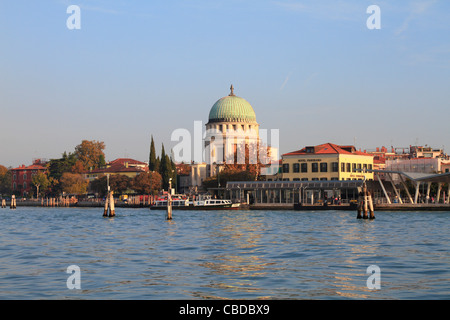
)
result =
(203, 203)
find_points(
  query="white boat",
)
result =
(203, 203)
(215, 204)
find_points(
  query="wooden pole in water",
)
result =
(365, 201)
(169, 201)
(372, 214)
(360, 206)
(3, 203)
(13, 202)
(105, 212)
(112, 211)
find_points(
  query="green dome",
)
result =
(232, 109)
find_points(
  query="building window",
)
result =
(315, 179)
(334, 167)
(14, 177)
(353, 167)
(323, 179)
(343, 167)
(296, 167)
(24, 177)
(446, 170)
(14, 186)
(334, 178)
(314, 167)
(323, 167)
(24, 185)
(370, 167)
(304, 179)
(359, 166)
(349, 167)
(296, 179)
(304, 167)
(365, 166)
(285, 167)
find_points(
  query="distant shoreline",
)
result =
(258, 206)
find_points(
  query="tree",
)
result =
(152, 158)
(119, 183)
(165, 169)
(78, 167)
(73, 183)
(90, 153)
(147, 183)
(99, 185)
(40, 180)
(5, 180)
(57, 167)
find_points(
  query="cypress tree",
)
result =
(165, 169)
(152, 158)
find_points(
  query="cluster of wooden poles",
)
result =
(365, 204)
(55, 202)
(109, 205)
(136, 200)
(13, 203)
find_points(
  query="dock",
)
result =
(412, 207)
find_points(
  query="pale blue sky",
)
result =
(309, 68)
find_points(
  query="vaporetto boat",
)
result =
(201, 204)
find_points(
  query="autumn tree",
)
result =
(228, 175)
(40, 180)
(5, 180)
(120, 183)
(147, 183)
(73, 183)
(90, 154)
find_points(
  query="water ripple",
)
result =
(222, 255)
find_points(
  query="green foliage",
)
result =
(56, 168)
(167, 170)
(41, 183)
(152, 164)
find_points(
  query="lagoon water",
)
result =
(222, 254)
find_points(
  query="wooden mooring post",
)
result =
(109, 210)
(3, 203)
(365, 204)
(169, 201)
(13, 202)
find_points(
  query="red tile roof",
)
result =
(122, 161)
(31, 167)
(328, 148)
(120, 165)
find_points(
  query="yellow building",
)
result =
(326, 162)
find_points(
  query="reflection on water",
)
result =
(222, 255)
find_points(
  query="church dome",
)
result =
(232, 109)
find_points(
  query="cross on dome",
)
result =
(232, 89)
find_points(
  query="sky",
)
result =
(311, 69)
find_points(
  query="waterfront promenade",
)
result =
(99, 203)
